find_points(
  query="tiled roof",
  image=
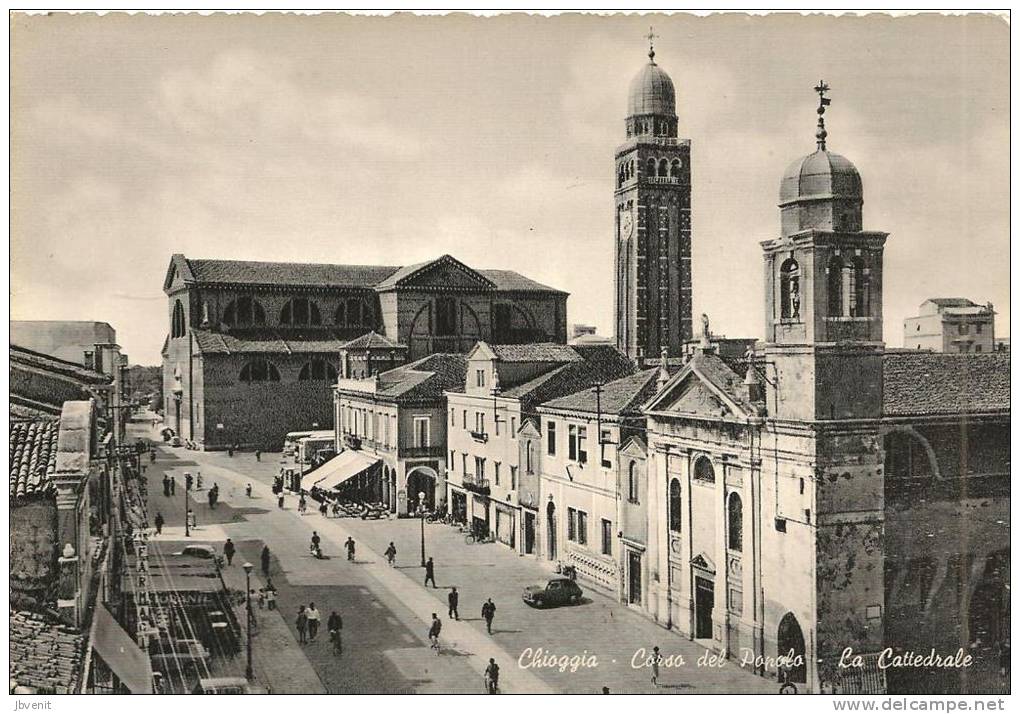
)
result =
(929, 383)
(21, 355)
(329, 275)
(44, 655)
(951, 302)
(617, 397)
(537, 352)
(372, 340)
(598, 363)
(33, 456)
(24, 408)
(511, 281)
(250, 272)
(267, 342)
(425, 379)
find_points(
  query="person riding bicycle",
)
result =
(334, 624)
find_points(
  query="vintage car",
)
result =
(558, 591)
(206, 552)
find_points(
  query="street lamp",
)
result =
(421, 510)
(187, 487)
(248, 673)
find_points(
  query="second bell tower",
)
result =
(653, 221)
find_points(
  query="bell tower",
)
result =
(824, 352)
(652, 299)
(823, 290)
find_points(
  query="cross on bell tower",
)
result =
(651, 37)
(823, 102)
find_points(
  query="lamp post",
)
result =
(248, 673)
(421, 511)
(187, 487)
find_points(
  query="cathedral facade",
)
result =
(652, 299)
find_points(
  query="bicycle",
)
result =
(334, 637)
(469, 538)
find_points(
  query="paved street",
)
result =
(386, 610)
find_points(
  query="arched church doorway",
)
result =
(550, 515)
(790, 639)
(421, 480)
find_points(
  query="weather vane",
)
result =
(823, 102)
(651, 43)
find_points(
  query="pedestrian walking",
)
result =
(262, 598)
(258, 455)
(492, 676)
(324, 509)
(452, 599)
(247, 490)
(313, 621)
(656, 659)
(270, 596)
(391, 553)
(192, 521)
(173, 485)
(229, 550)
(334, 625)
(159, 523)
(350, 548)
(212, 498)
(302, 625)
(265, 560)
(279, 501)
(166, 485)
(488, 614)
(434, 630)
(430, 573)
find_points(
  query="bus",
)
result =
(290, 442)
(309, 446)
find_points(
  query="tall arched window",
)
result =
(663, 168)
(703, 470)
(674, 169)
(789, 290)
(446, 316)
(858, 297)
(177, 324)
(675, 514)
(650, 167)
(354, 312)
(259, 370)
(244, 312)
(300, 311)
(835, 275)
(632, 483)
(735, 522)
(318, 369)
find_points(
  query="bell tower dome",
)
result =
(653, 220)
(823, 282)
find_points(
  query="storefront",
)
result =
(479, 515)
(506, 525)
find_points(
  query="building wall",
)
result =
(259, 414)
(68, 340)
(590, 488)
(33, 526)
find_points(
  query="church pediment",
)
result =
(634, 448)
(445, 273)
(697, 398)
(692, 392)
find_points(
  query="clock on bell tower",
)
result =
(653, 221)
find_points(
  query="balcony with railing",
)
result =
(422, 452)
(480, 436)
(476, 485)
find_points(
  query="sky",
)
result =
(392, 140)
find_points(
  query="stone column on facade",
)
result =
(68, 590)
(689, 500)
(758, 599)
(722, 570)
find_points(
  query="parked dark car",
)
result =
(558, 591)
